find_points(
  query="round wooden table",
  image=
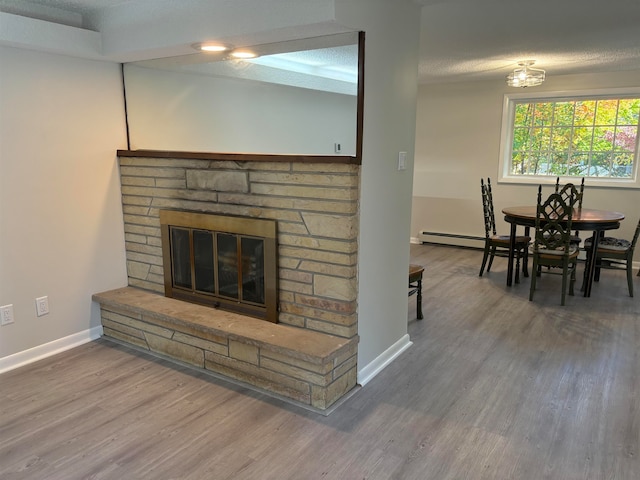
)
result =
(583, 219)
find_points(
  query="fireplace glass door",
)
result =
(234, 270)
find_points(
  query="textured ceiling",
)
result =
(476, 39)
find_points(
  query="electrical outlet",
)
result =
(6, 314)
(42, 306)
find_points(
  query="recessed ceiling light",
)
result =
(211, 47)
(243, 54)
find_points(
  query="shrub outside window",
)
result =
(586, 135)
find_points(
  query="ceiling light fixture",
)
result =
(243, 54)
(211, 47)
(525, 76)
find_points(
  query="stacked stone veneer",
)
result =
(316, 208)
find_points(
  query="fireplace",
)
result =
(223, 261)
(310, 354)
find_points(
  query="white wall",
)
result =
(59, 192)
(61, 230)
(190, 112)
(391, 60)
(458, 142)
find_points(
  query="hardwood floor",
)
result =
(494, 387)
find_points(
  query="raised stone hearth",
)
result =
(310, 355)
(312, 368)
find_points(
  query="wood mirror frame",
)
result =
(355, 158)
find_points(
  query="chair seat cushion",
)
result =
(609, 243)
(506, 239)
(548, 252)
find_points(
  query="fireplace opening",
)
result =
(222, 261)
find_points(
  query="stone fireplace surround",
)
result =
(310, 355)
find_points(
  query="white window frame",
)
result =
(506, 137)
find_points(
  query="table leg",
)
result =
(590, 267)
(512, 247)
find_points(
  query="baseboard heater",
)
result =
(453, 239)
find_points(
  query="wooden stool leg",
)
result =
(419, 299)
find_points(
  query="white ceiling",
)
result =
(461, 39)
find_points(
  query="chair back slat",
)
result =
(553, 222)
(634, 241)
(487, 206)
(569, 188)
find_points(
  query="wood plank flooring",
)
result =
(494, 387)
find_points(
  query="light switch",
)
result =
(402, 160)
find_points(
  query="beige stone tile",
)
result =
(155, 172)
(123, 337)
(339, 318)
(324, 397)
(144, 258)
(180, 351)
(332, 328)
(318, 255)
(342, 307)
(326, 167)
(139, 181)
(137, 270)
(292, 286)
(135, 200)
(144, 248)
(121, 328)
(335, 287)
(328, 268)
(305, 191)
(243, 352)
(318, 368)
(220, 181)
(294, 275)
(255, 372)
(296, 372)
(332, 226)
(221, 349)
(312, 179)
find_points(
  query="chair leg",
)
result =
(533, 281)
(517, 280)
(419, 300)
(586, 271)
(630, 276)
(525, 260)
(484, 259)
(564, 283)
(596, 275)
(573, 278)
(491, 257)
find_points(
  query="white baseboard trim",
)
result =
(48, 349)
(368, 372)
(453, 239)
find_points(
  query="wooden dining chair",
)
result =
(552, 245)
(415, 287)
(498, 245)
(570, 191)
(614, 254)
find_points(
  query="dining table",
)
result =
(583, 219)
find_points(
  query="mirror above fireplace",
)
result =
(300, 97)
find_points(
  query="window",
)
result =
(588, 135)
